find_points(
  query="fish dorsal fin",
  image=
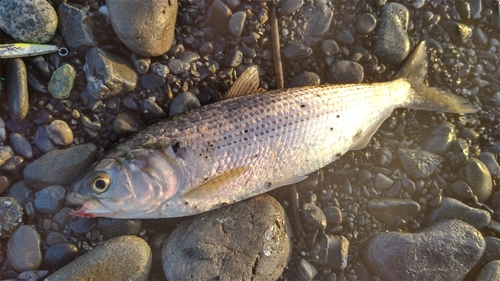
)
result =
(287, 181)
(361, 139)
(246, 84)
(213, 186)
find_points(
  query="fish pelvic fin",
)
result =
(424, 97)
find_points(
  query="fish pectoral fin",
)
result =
(362, 138)
(214, 186)
(246, 84)
(287, 181)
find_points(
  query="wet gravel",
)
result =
(58, 114)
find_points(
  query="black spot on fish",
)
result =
(245, 131)
(338, 116)
(176, 146)
(269, 184)
(186, 203)
(302, 105)
(331, 129)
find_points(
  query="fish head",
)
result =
(131, 184)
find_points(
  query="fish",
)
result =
(248, 144)
(19, 50)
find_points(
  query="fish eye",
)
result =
(100, 183)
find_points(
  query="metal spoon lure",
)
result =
(19, 50)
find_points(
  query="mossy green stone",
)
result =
(61, 82)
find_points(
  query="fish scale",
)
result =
(232, 150)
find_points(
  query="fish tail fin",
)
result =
(429, 98)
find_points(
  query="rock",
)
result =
(234, 58)
(453, 209)
(159, 69)
(236, 23)
(4, 184)
(83, 225)
(440, 138)
(60, 133)
(21, 145)
(50, 199)
(313, 216)
(55, 238)
(177, 66)
(461, 190)
(418, 164)
(61, 82)
(491, 253)
(392, 211)
(145, 27)
(458, 32)
(345, 37)
(151, 81)
(11, 213)
(331, 250)
(42, 140)
(108, 74)
(19, 191)
(152, 109)
(290, 6)
(61, 167)
(366, 23)
(14, 166)
(33, 21)
(305, 79)
(76, 27)
(491, 163)
(183, 102)
(443, 251)
(317, 16)
(330, 47)
(6, 152)
(127, 123)
(393, 44)
(347, 72)
(305, 271)
(59, 255)
(111, 228)
(333, 215)
(220, 17)
(17, 87)
(382, 181)
(490, 272)
(23, 249)
(477, 176)
(296, 51)
(247, 240)
(101, 263)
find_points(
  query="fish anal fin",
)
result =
(362, 138)
(287, 181)
(246, 84)
(214, 186)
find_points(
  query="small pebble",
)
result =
(345, 37)
(150, 108)
(347, 72)
(50, 199)
(234, 58)
(418, 164)
(126, 123)
(220, 17)
(382, 181)
(333, 215)
(19, 191)
(4, 184)
(177, 66)
(55, 238)
(11, 213)
(305, 271)
(17, 87)
(236, 24)
(461, 190)
(61, 82)
(6, 152)
(159, 69)
(21, 145)
(314, 216)
(183, 102)
(290, 6)
(453, 209)
(59, 255)
(305, 79)
(490, 272)
(42, 140)
(330, 47)
(393, 44)
(83, 225)
(458, 32)
(60, 133)
(477, 176)
(491, 163)
(23, 249)
(440, 138)
(111, 228)
(151, 81)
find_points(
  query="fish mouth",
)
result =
(90, 208)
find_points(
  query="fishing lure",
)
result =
(19, 50)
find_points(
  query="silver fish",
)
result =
(229, 151)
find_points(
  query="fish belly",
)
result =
(246, 146)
